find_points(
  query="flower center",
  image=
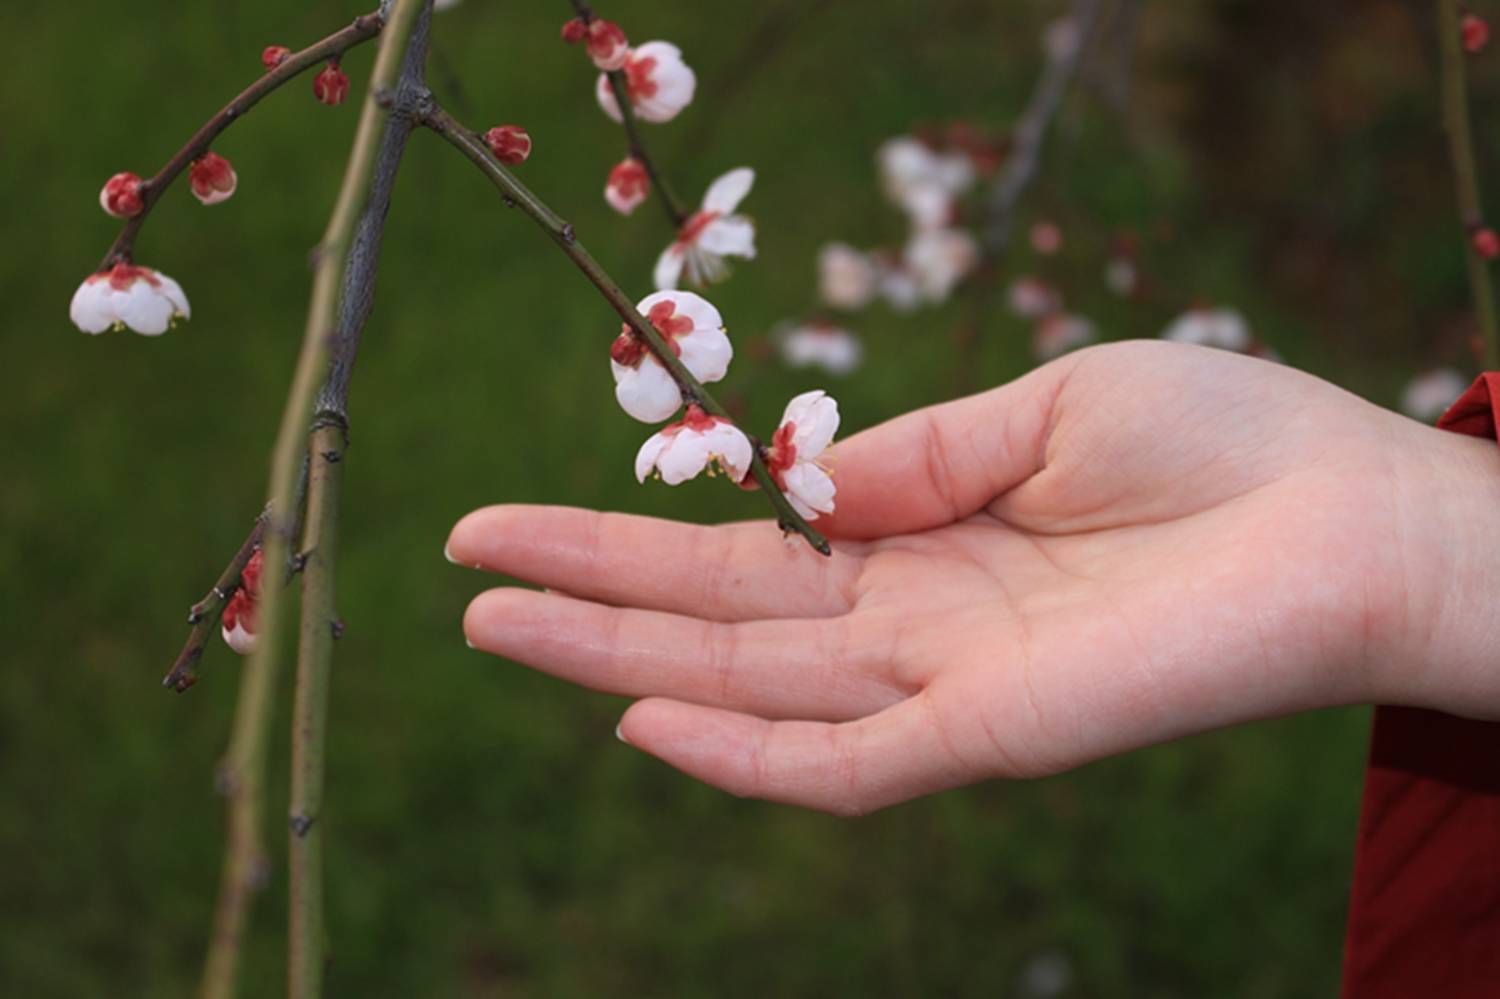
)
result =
(638, 82)
(694, 226)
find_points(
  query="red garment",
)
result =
(1424, 911)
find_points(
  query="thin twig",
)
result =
(204, 615)
(243, 770)
(363, 28)
(1465, 173)
(671, 204)
(306, 936)
(518, 195)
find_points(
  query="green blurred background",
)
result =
(487, 836)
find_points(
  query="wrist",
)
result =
(1447, 651)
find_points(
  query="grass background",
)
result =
(487, 836)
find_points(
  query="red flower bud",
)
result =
(212, 179)
(575, 31)
(274, 55)
(331, 86)
(1474, 31)
(509, 143)
(121, 196)
(1485, 242)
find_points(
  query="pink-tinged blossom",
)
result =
(1485, 242)
(820, 345)
(274, 55)
(127, 296)
(807, 428)
(847, 278)
(1046, 237)
(938, 259)
(1059, 333)
(693, 329)
(1032, 298)
(710, 234)
(898, 285)
(627, 186)
(607, 45)
(1209, 327)
(510, 144)
(1474, 32)
(657, 81)
(331, 85)
(697, 442)
(907, 163)
(1429, 394)
(212, 178)
(238, 622)
(121, 195)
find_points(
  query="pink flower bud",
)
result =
(575, 31)
(628, 186)
(121, 196)
(1046, 238)
(274, 55)
(212, 178)
(238, 620)
(1475, 32)
(510, 143)
(1485, 242)
(331, 86)
(607, 45)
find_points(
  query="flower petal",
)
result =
(730, 236)
(146, 309)
(647, 391)
(810, 489)
(668, 272)
(727, 444)
(706, 353)
(90, 309)
(697, 308)
(816, 416)
(725, 194)
(684, 457)
(606, 97)
(645, 458)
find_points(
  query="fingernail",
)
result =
(449, 555)
(467, 642)
(621, 735)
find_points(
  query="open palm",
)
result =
(1130, 544)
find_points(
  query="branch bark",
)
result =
(1465, 172)
(243, 770)
(363, 28)
(517, 195)
(204, 615)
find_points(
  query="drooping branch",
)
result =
(363, 28)
(1029, 136)
(671, 204)
(203, 616)
(1465, 171)
(306, 935)
(242, 774)
(519, 196)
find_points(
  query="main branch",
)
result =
(243, 770)
(1465, 172)
(363, 28)
(518, 195)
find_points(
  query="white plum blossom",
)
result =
(693, 329)
(847, 278)
(698, 441)
(807, 428)
(938, 259)
(822, 345)
(710, 234)
(127, 296)
(1059, 333)
(1046, 237)
(1428, 396)
(906, 163)
(657, 81)
(1121, 276)
(1207, 327)
(898, 285)
(1032, 298)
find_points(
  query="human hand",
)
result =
(1133, 543)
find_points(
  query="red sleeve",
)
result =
(1424, 909)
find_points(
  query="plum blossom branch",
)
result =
(1465, 172)
(242, 773)
(671, 204)
(204, 615)
(517, 195)
(363, 28)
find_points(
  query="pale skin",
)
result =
(1130, 544)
